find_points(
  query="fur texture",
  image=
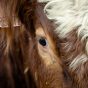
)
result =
(22, 62)
(71, 20)
(13, 39)
(60, 60)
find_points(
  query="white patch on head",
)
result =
(43, 1)
(69, 15)
(79, 60)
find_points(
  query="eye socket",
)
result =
(43, 41)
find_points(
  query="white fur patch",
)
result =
(43, 1)
(79, 60)
(68, 15)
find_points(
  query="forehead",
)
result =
(42, 19)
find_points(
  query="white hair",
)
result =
(70, 15)
(43, 1)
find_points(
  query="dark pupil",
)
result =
(42, 42)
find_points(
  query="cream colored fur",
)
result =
(69, 15)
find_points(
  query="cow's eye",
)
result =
(43, 41)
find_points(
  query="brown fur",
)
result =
(68, 53)
(22, 63)
(12, 43)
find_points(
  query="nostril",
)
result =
(42, 41)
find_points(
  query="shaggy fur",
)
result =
(27, 63)
(24, 62)
(14, 41)
(71, 20)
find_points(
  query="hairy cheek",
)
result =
(51, 73)
(47, 55)
(45, 68)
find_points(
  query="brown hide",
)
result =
(25, 63)
(13, 42)
(46, 72)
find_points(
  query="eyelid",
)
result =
(40, 37)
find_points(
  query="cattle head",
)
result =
(31, 53)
